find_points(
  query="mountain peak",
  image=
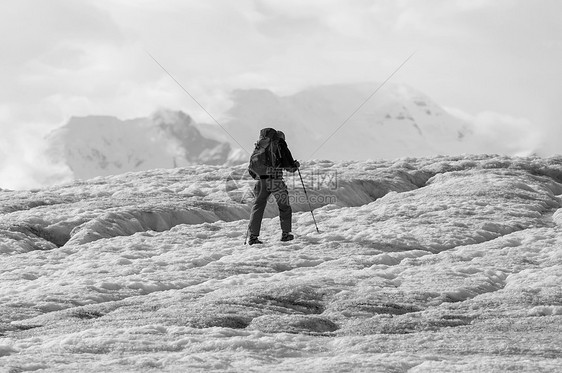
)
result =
(351, 121)
(104, 145)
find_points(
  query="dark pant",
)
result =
(263, 189)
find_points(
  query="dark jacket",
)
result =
(286, 160)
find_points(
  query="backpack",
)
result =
(266, 155)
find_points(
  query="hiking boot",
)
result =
(286, 236)
(254, 240)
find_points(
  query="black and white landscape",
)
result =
(422, 264)
(429, 237)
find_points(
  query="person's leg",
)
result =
(258, 208)
(279, 190)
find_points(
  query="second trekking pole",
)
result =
(309, 205)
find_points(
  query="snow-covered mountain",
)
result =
(103, 145)
(338, 122)
(352, 122)
(421, 265)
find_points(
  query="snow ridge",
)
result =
(427, 264)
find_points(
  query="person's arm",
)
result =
(288, 163)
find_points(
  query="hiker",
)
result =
(270, 157)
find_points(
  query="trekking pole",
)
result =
(309, 205)
(248, 228)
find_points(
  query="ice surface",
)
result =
(431, 264)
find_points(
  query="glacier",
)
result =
(446, 263)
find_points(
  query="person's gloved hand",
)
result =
(295, 167)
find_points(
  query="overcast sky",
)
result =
(496, 59)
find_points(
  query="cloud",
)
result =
(23, 163)
(67, 58)
(502, 134)
(46, 75)
(53, 51)
(508, 135)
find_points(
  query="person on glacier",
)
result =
(270, 157)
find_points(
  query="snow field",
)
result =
(458, 273)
